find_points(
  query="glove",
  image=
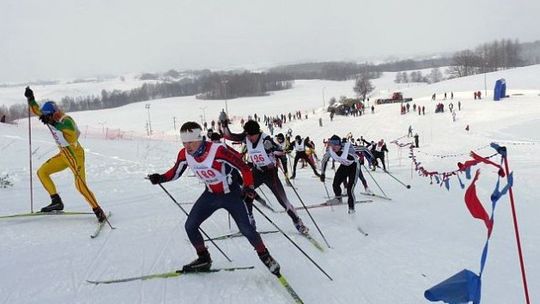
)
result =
(45, 119)
(28, 93)
(248, 192)
(322, 177)
(155, 178)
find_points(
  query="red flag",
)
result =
(475, 206)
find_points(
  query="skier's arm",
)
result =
(223, 153)
(34, 107)
(365, 151)
(271, 147)
(227, 134)
(178, 169)
(324, 161)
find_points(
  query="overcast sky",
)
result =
(50, 39)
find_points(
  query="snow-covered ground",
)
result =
(421, 237)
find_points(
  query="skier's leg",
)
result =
(338, 180)
(272, 181)
(76, 164)
(203, 208)
(284, 163)
(312, 165)
(352, 169)
(51, 166)
(232, 202)
(296, 158)
(362, 178)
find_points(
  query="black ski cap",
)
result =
(334, 140)
(251, 127)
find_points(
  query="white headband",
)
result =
(193, 135)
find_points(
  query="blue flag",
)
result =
(463, 287)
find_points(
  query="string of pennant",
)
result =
(465, 286)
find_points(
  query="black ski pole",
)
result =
(309, 213)
(371, 175)
(397, 180)
(296, 245)
(268, 205)
(202, 231)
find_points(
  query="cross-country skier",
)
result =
(348, 169)
(285, 147)
(378, 150)
(300, 148)
(212, 163)
(71, 155)
(262, 152)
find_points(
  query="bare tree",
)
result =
(363, 85)
(435, 75)
(465, 63)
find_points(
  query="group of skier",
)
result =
(230, 182)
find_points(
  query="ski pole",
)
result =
(326, 189)
(30, 159)
(395, 178)
(374, 180)
(309, 213)
(268, 204)
(328, 195)
(200, 229)
(296, 245)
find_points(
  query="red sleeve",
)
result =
(231, 157)
(179, 167)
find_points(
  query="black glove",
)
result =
(155, 178)
(28, 93)
(46, 119)
(322, 177)
(248, 192)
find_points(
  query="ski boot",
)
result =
(55, 205)
(201, 264)
(299, 225)
(100, 214)
(270, 263)
(293, 176)
(351, 211)
(368, 191)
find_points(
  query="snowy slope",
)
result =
(421, 237)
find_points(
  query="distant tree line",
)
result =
(487, 57)
(208, 86)
(416, 76)
(328, 70)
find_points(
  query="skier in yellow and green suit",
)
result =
(71, 155)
